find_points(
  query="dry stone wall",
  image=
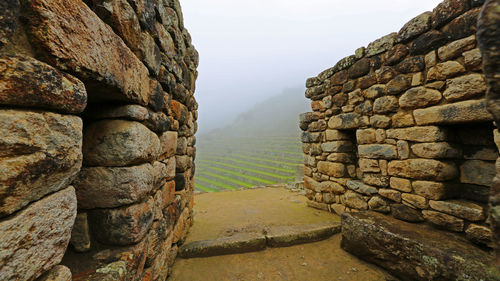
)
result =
(97, 124)
(489, 40)
(402, 127)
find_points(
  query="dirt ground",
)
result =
(223, 213)
(318, 261)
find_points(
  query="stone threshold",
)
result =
(273, 236)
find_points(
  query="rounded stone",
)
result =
(119, 143)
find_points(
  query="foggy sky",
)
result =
(253, 49)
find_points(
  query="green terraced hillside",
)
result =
(245, 162)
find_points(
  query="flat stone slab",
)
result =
(275, 236)
(414, 251)
(283, 236)
(238, 243)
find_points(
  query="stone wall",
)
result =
(402, 127)
(97, 123)
(489, 39)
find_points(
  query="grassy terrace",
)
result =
(240, 169)
(228, 164)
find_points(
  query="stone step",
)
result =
(414, 251)
(274, 236)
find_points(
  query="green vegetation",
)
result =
(245, 162)
(260, 147)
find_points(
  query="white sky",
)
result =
(253, 49)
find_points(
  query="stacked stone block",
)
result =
(402, 128)
(129, 153)
(489, 39)
(41, 153)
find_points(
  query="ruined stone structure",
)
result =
(402, 128)
(97, 123)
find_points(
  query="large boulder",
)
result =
(27, 82)
(413, 251)
(80, 42)
(110, 187)
(122, 226)
(40, 153)
(35, 239)
(119, 143)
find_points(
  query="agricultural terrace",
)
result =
(246, 162)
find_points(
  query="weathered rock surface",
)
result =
(413, 252)
(81, 43)
(473, 59)
(392, 194)
(378, 204)
(129, 111)
(157, 122)
(355, 201)
(331, 169)
(119, 143)
(399, 84)
(480, 234)
(423, 169)
(434, 190)
(463, 25)
(400, 184)
(462, 209)
(448, 10)
(80, 235)
(361, 187)
(385, 104)
(445, 70)
(359, 68)
(444, 221)
(380, 121)
(456, 48)
(418, 134)
(405, 213)
(477, 172)
(380, 45)
(26, 82)
(9, 15)
(57, 273)
(40, 153)
(415, 102)
(488, 39)
(460, 112)
(168, 144)
(415, 27)
(427, 42)
(110, 187)
(239, 243)
(376, 179)
(345, 121)
(414, 201)
(337, 146)
(369, 165)
(419, 97)
(435, 150)
(464, 87)
(122, 226)
(35, 239)
(382, 151)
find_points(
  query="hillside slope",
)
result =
(261, 147)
